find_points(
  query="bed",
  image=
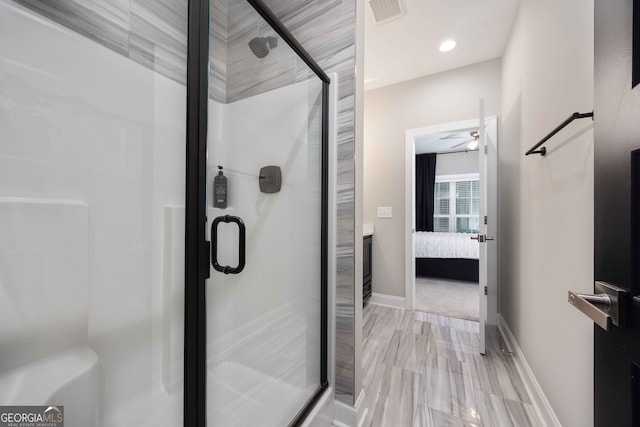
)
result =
(446, 255)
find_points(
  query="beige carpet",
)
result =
(448, 297)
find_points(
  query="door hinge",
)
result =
(486, 149)
(485, 220)
(485, 290)
(206, 259)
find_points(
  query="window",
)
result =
(457, 204)
(441, 207)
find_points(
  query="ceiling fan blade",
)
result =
(454, 136)
(462, 143)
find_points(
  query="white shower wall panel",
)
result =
(44, 277)
(81, 124)
(263, 325)
(268, 129)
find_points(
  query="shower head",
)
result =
(260, 46)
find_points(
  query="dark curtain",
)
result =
(425, 186)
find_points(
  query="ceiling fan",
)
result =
(472, 143)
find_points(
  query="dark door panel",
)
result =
(617, 210)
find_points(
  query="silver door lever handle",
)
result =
(602, 300)
(605, 307)
(482, 238)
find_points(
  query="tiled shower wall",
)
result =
(150, 32)
(326, 29)
(154, 34)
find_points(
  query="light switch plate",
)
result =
(385, 212)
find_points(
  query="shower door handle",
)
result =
(241, 247)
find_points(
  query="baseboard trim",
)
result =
(322, 413)
(540, 403)
(344, 415)
(387, 300)
(349, 416)
(360, 409)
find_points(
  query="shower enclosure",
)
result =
(134, 291)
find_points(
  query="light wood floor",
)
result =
(422, 369)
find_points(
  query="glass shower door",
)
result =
(92, 190)
(265, 215)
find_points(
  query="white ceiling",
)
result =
(407, 47)
(444, 141)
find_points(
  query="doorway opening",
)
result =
(450, 192)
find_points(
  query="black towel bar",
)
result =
(543, 150)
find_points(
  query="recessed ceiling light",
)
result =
(447, 46)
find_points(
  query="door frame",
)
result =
(409, 207)
(197, 248)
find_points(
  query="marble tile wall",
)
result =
(326, 29)
(154, 34)
(248, 75)
(158, 36)
(218, 36)
(150, 32)
(346, 236)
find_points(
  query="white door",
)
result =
(483, 288)
(488, 223)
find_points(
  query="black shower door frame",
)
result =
(197, 249)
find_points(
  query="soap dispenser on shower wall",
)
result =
(220, 190)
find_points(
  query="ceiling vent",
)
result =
(387, 10)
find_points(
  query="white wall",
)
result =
(437, 99)
(547, 203)
(457, 163)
